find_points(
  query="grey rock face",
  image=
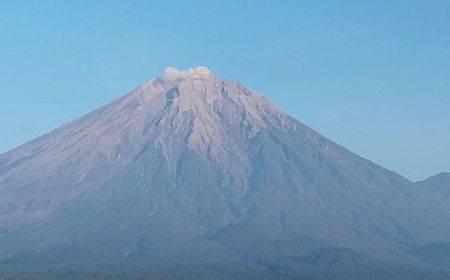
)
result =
(187, 165)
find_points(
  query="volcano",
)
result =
(190, 176)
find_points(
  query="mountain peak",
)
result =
(180, 110)
(189, 164)
(206, 111)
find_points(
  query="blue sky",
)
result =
(373, 76)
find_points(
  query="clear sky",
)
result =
(373, 76)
